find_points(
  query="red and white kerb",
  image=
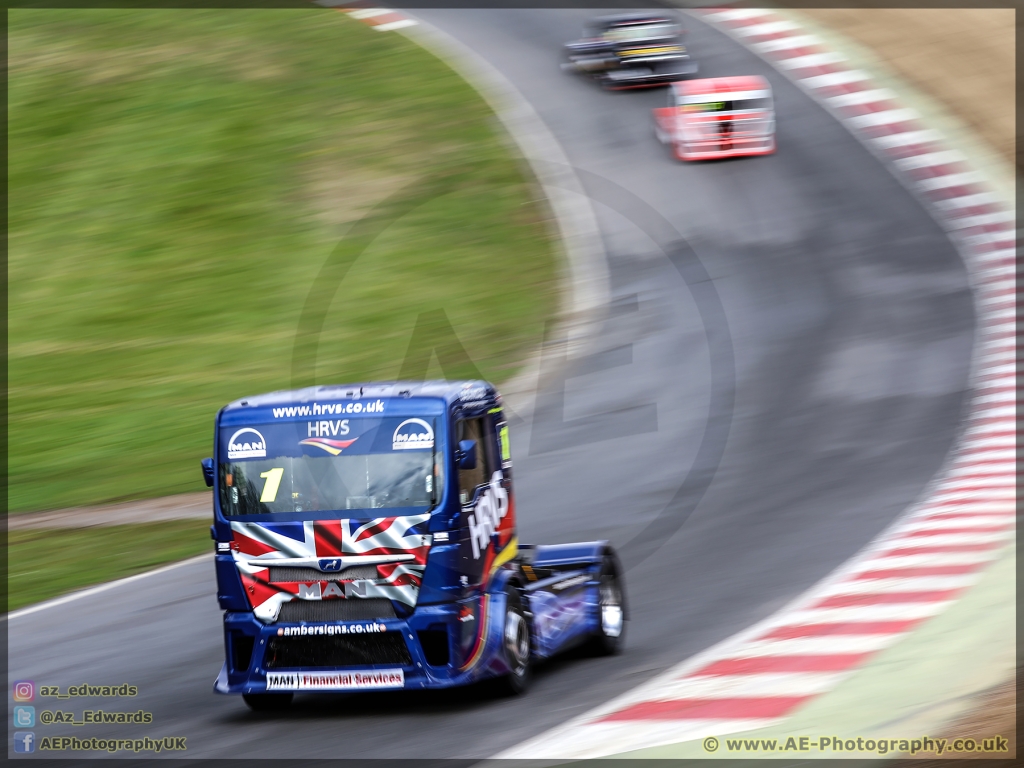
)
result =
(381, 19)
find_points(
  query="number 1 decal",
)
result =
(273, 477)
(506, 449)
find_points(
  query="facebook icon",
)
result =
(24, 741)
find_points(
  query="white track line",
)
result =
(763, 684)
(392, 25)
(880, 612)
(811, 60)
(836, 78)
(101, 588)
(928, 159)
(822, 645)
(982, 483)
(768, 28)
(787, 43)
(940, 539)
(369, 13)
(861, 97)
(986, 237)
(950, 180)
(907, 584)
(738, 14)
(907, 138)
(618, 737)
(981, 521)
(888, 117)
(915, 561)
(969, 490)
(968, 201)
(982, 220)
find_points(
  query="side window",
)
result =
(762, 104)
(482, 431)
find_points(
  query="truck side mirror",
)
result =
(208, 472)
(467, 454)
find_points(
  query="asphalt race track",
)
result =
(781, 372)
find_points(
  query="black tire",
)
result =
(516, 646)
(611, 611)
(268, 702)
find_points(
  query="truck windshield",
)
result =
(637, 32)
(760, 104)
(735, 105)
(330, 466)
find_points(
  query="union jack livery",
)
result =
(366, 539)
(292, 550)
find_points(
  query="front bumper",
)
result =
(711, 150)
(434, 647)
(655, 74)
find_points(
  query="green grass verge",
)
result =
(177, 179)
(94, 555)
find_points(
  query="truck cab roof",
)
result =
(624, 19)
(467, 393)
(715, 86)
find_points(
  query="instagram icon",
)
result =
(24, 690)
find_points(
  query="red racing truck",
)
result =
(718, 117)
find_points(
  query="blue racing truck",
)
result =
(366, 540)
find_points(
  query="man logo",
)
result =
(330, 566)
(247, 443)
(412, 434)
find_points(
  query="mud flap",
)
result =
(492, 661)
(220, 685)
(665, 124)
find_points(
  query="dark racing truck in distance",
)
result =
(366, 540)
(631, 50)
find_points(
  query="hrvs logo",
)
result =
(411, 434)
(247, 443)
(490, 510)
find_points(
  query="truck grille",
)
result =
(352, 609)
(335, 651)
(283, 573)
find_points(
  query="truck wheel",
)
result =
(268, 702)
(611, 617)
(515, 645)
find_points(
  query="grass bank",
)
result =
(94, 555)
(177, 180)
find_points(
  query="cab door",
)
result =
(485, 495)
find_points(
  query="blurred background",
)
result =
(186, 186)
